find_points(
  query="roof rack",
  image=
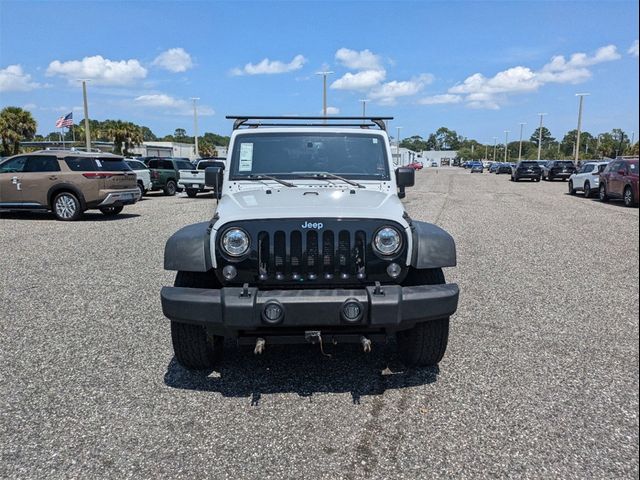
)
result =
(242, 121)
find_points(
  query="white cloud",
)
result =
(478, 91)
(634, 49)
(99, 70)
(331, 111)
(354, 60)
(175, 60)
(29, 106)
(387, 93)
(266, 67)
(360, 80)
(14, 79)
(440, 99)
(171, 105)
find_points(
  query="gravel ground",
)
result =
(540, 379)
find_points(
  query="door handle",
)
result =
(53, 177)
(14, 180)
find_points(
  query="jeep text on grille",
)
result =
(309, 242)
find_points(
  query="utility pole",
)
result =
(506, 144)
(398, 140)
(486, 151)
(520, 148)
(577, 152)
(540, 135)
(195, 124)
(495, 145)
(324, 90)
(87, 134)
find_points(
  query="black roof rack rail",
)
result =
(241, 120)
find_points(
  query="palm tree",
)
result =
(16, 125)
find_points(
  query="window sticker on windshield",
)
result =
(99, 163)
(374, 140)
(246, 157)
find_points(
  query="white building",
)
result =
(171, 149)
(403, 156)
(442, 158)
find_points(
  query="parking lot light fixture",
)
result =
(540, 135)
(506, 145)
(577, 151)
(195, 124)
(364, 106)
(87, 133)
(522, 124)
(495, 145)
(324, 74)
(398, 141)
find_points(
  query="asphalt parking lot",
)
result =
(540, 379)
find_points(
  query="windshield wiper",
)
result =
(269, 177)
(327, 175)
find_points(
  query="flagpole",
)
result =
(73, 134)
(62, 135)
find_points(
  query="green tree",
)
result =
(415, 143)
(448, 139)
(568, 144)
(16, 125)
(180, 134)
(547, 139)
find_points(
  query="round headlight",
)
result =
(235, 242)
(387, 241)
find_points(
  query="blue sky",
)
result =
(477, 67)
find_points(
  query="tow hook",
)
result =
(314, 336)
(366, 344)
(260, 343)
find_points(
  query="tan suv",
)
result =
(67, 182)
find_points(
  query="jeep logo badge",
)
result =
(317, 225)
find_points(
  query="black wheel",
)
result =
(193, 346)
(602, 193)
(572, 190)
(111, 211)
(424, 344)
(66, 207)
(550, 178)
(170, 188)
(587, 190)
(627, 196)
(192, 192)
(142, 190)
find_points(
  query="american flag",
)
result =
(66, 121)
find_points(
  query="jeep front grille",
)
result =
(312, 254)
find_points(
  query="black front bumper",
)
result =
(232, 309)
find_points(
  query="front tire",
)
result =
(191, 192)
(193, 346)
(602, 193)
(142, 190)
(572, 191)
(426, 343)
(587, 190)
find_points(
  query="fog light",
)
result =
(273, 312)
(394, 270)
(229, 272)
(352, 310)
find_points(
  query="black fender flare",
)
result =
(433, 247)
(188, 249)
(65, 186)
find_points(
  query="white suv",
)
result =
(309, 243)
(143, 175)
(587, 179)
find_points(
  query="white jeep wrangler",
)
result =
(309, 243)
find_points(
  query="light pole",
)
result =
(540, 135)
(398, 140)
(87, 134)
(522, 124)
(581, 96)
(495, 145)
(486, 151)
(324, 90)
(195, 123)
(506, 144)
(364, 106)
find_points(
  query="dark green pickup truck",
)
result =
(164, 174)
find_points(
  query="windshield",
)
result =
(137, 165)
(299, 155)
(528, 164)
(564, 164)
(203, 165)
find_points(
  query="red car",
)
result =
(620, 181)
(415, 165)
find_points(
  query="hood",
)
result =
(303, 202)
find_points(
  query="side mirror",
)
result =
(622, 171)
(213, 177)
(405, 177)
